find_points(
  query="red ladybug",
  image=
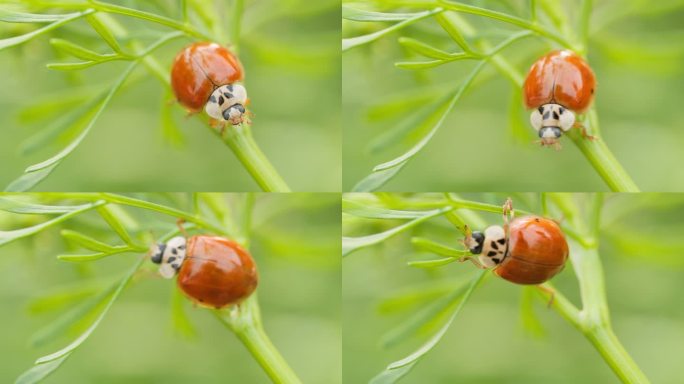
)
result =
(557, 86)
(213, 271)
(528, 250)
(206, 76)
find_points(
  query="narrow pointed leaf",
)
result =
(86, 241)
(76, 50)
(424, 48)
(354, 14)
(352, 42)
(401, 368)
(351, 244)
(16, 40)
(104, 32)
(9, 236)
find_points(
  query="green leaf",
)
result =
(516, 122)
(61, 325)
(354, 14)
(21, 17)
(351, 244)
(29, 180)
(355, 208)
(37, 172)
(94, 256)
(103, 31)
(115, 220)
(72, 66)
(84, 336)
(424, 48)
(450, 27)
(423, 317)
(431, 263)
(38, 372)
(9, 204)
(376, 180)
(16, 40)
(76, 50)
(179, 318)
(86, 241)
(436, 118)
(400, 368)
(9, 236)
(528, 317)
(170, 129)
(428, 245)
(72, 119)
(412, 297)
(357, 41)
(47, 364)
(408, 124)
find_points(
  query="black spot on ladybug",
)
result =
(494, 245)
(181, 246)
(560, 111)
(212, 99)
(541, 110)
(221, 100)
(537, 220)
(230, 87)
(502, 241)
(227, 95)
(491, 253)
(172, 258)
(555, 115)
(175, 266)
(201, 301)
(546, 115)
(174, 251)
(592, 91)
(496, 260)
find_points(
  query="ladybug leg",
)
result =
(473, 260)
(180, 223)
(583, 131)
(550, 292)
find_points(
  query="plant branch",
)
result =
(239, 138)
(245, 321)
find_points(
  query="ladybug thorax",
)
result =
(227, 103)
(551, 120)
(169, 256)
(494, 246)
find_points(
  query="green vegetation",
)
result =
(91, 105)
(447, 107)
(443, 321)
(91, 303)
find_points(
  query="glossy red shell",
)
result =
(217, 272)
(537, 251)
(561, 77)
(199, 69)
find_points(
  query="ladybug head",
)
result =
(169, 256)
(476, 243)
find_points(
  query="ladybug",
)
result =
(212, 271)
(528, 250)
(207, 76)
(557, 86)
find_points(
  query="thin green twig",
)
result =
(245, 321)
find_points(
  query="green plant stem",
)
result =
(522, 23)
(602, 159)
(239, 138)
(245, 321)
(594, 318)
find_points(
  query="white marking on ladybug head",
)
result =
(169, 256)
(226, 103)
(493, 246)
(536, 118)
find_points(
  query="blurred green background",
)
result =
(290, 51)
(634, 48)
(641, 250)
(295, 242)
